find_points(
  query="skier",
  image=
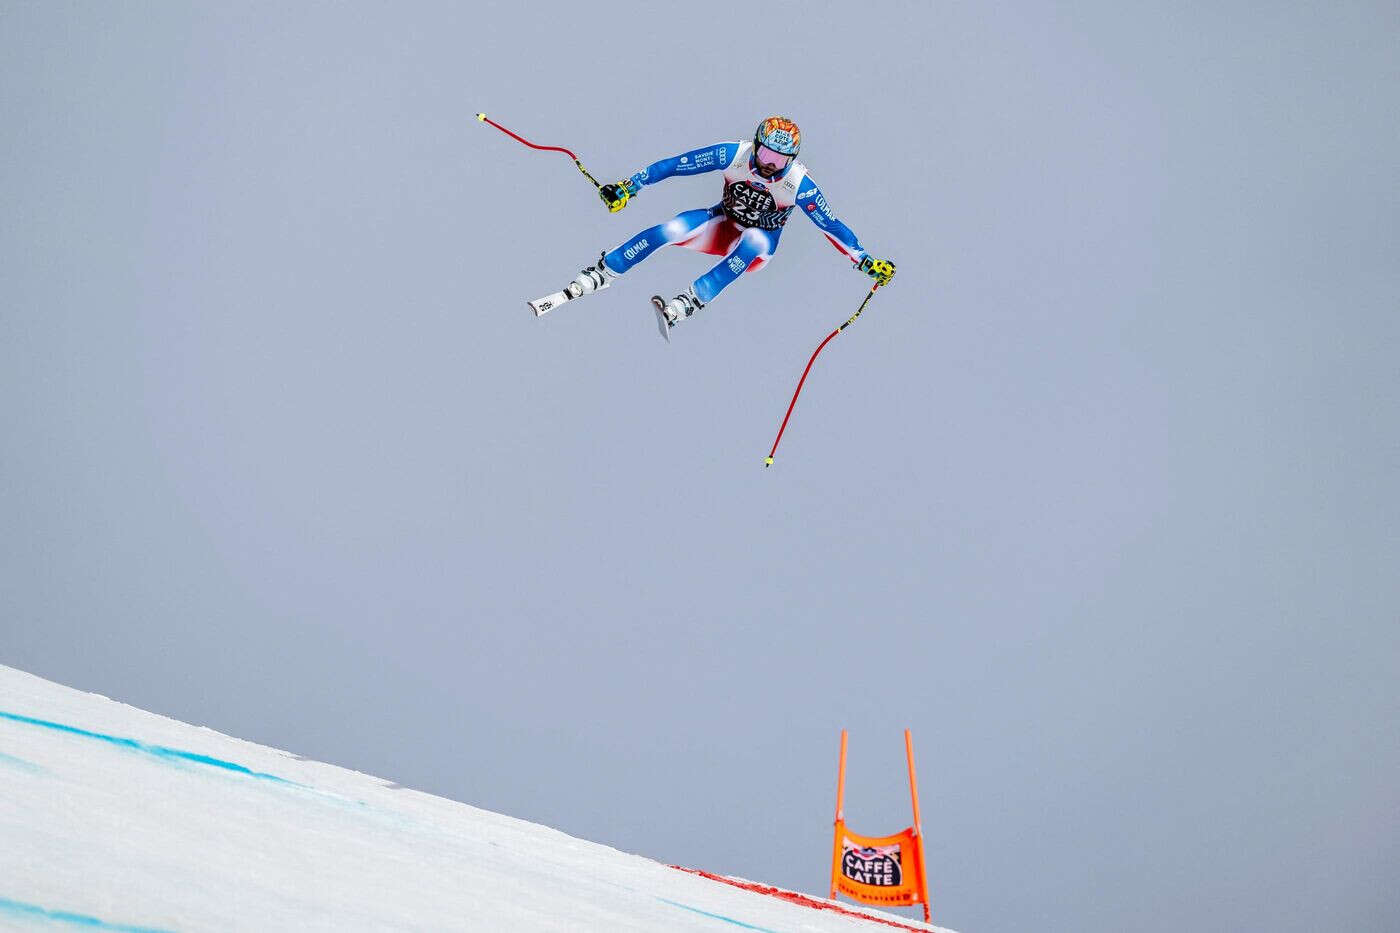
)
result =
(763, 184)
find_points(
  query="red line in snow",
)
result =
(799, 899)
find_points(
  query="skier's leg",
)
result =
(703, 229)
(752, 251)
(684, 226)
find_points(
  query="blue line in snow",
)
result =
(20, 764)
(159, 751)
(35, 912)
(706, 913)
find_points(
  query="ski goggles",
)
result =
(770, 159)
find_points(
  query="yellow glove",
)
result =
(616, 195)
(881, 270)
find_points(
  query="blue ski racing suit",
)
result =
(744, 227)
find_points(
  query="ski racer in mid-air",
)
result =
(763, 184)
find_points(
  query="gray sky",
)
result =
(1099, 497)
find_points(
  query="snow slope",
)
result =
(112, 818)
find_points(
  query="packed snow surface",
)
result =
(112, 818)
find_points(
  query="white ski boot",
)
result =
(670, 313)
(590, 280)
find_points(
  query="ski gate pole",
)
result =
(485, 119)
(768, 461)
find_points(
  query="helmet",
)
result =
(779, 134)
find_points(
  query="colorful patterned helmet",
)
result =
(779, 134)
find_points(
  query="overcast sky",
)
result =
(1099, 497)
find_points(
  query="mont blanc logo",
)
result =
(685, 159)
(634, 249)
(878, 865)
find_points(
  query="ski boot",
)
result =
(594, 278)
(670, 313)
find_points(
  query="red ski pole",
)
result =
(768, 461)
(485, 119)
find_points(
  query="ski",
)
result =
(549, 302)
(658, 304)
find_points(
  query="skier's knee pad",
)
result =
(754, 242)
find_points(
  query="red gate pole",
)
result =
(918, 827)
(840, 814)
(841, 780)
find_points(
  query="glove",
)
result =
(616, 195)
(881, 270)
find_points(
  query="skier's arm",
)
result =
(714, 158)
(813, 204)
(841, 236)
(695, 162)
